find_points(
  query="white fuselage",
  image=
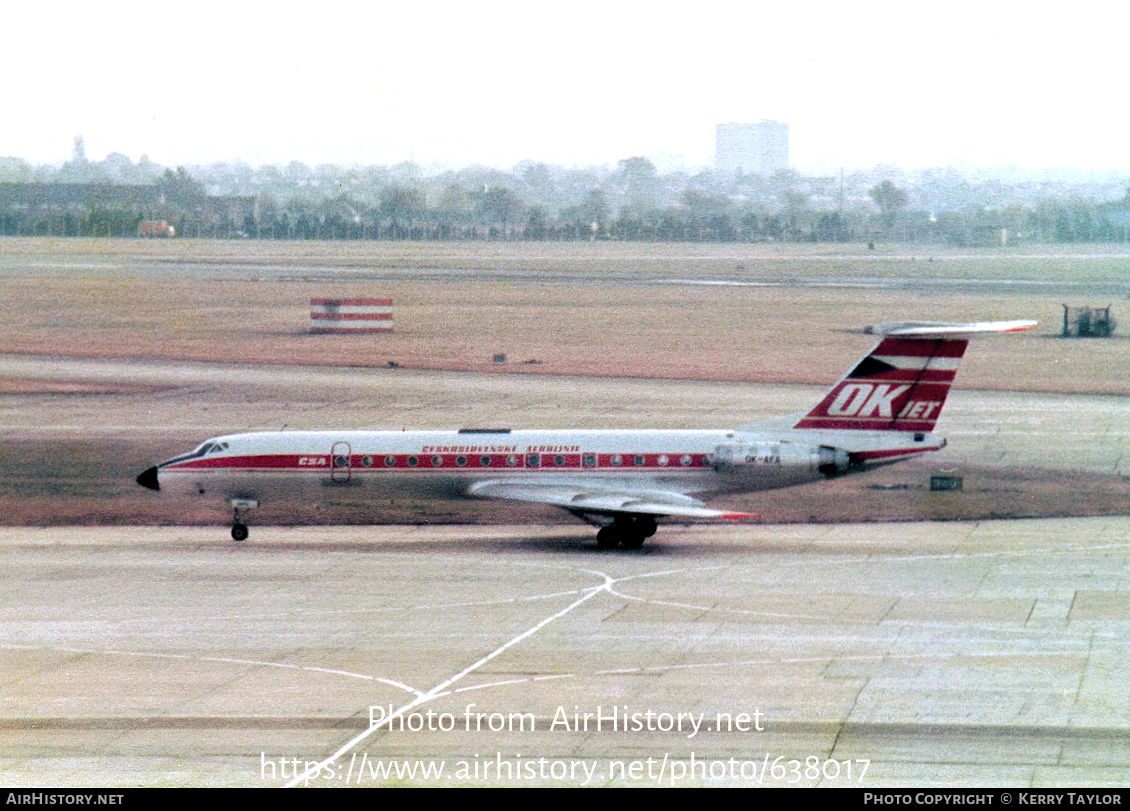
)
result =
(434, 464)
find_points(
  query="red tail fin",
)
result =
(900, 386)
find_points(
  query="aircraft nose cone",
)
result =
(149, 479)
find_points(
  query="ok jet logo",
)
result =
(865, 400)
(878, 400)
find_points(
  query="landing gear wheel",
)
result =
(238, 528)
(627, 532)
(632, 540)
(607, 538)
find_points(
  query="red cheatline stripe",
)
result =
(351, 302)
(447, 461)
(351, 316)
(272, 460)
(920, 349)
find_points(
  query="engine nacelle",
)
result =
(832, 461)
(739, 455)
(736, 455)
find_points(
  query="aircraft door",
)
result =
(341, 463)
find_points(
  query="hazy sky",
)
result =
(861, 82)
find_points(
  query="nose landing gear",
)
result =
(239, 531)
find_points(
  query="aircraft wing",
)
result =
(600, 500)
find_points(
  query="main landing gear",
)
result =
(627, 532)
(239, 531)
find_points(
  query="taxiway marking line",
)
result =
(441, 689)
(228, 660)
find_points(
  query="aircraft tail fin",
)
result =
(903, 382)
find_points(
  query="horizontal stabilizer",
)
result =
(934, 330)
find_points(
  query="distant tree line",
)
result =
(535, 201)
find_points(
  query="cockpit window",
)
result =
(205, 449)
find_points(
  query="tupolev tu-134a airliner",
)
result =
(623, 481)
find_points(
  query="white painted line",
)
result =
(218, 659)
(485, 685)
(704, 608)
(393, 609)
(441, 688)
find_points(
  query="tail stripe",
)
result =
(920, 347)
(895, 362)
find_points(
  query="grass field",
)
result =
(571, 309)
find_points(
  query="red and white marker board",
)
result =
(350, 315)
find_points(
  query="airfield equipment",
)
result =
(1087, 322)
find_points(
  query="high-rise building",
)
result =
(751, 149)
